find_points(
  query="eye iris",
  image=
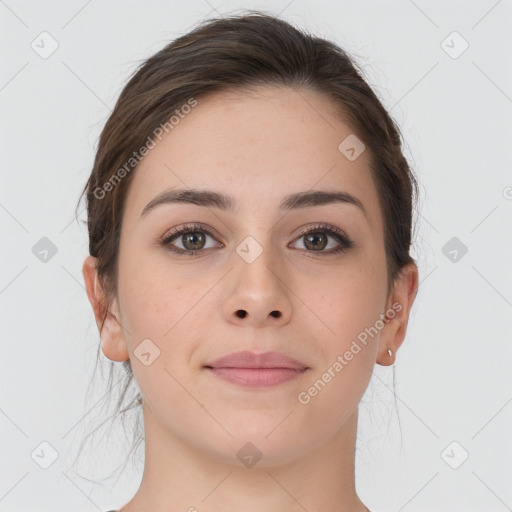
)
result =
(193, 241)
(312, 241)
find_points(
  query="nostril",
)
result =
(241, 313)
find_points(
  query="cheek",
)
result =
(346, 300)
(166, 311)
(155, 292)
(166, 302)
(347, 310)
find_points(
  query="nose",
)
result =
(259, 293)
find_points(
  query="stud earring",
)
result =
(390, 352)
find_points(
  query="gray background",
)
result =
(453, 373)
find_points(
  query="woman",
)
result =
(249, 216)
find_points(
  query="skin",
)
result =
(258, 147)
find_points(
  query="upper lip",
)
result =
(247, 359)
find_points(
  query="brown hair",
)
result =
(240, 52)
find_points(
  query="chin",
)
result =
(256, 445)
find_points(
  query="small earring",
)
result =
(390, 352)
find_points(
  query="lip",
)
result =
(247, 359)
(249, 369)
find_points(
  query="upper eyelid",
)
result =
(200, 227)
(303, 231)
(189, 227)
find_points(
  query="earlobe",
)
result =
(113, 343)
(399, 307)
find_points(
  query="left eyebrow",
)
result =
(212, 199)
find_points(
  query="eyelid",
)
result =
(304, 230)
(188, 228)
(344, 241)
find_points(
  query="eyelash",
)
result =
(340, 236)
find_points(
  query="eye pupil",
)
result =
(194, 241)
(312, 241)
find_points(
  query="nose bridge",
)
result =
(257, 263)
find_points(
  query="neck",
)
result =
(179, 477)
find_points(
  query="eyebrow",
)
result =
(212, 199)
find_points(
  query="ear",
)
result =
(113, 342)
(397, 313)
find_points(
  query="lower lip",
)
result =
(257, 377)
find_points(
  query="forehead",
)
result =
(256, 145)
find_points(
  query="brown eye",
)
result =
(193, 241)
(315, 241)
(189, 240)
(318, 238)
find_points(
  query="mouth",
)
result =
(251, 370)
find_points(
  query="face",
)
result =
(306, 280)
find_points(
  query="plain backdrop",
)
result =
(441, 68)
